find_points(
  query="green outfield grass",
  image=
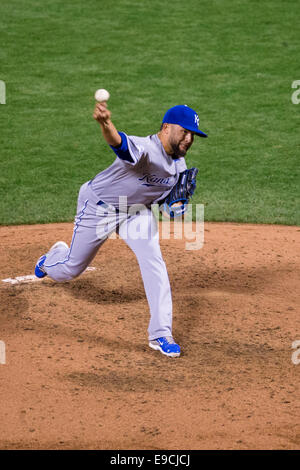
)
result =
(233, 61)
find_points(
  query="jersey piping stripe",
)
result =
(73, 238)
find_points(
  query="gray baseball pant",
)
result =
(94, 222)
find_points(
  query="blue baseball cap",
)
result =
(185, 117)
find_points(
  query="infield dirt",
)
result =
(79, 373)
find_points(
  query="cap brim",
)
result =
(198, 132)
(201, 134)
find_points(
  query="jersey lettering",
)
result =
(153, 180)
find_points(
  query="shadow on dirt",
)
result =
(94, 291)
(126, 381)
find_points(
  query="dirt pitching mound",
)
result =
(78, 372)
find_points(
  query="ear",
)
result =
(166, 128)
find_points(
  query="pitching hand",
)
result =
(101, 113)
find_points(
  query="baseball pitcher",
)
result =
(146, 170)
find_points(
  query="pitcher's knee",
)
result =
(63, 272)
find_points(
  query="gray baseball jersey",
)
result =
(147, 178)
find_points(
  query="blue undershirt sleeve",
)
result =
(122, 150)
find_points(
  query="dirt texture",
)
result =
(79, 373)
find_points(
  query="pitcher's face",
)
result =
(180, 140)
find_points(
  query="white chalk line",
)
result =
(32, 278)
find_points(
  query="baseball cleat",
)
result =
(39, 270)
(166, 345)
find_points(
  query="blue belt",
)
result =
(106, 206)
(102, 203)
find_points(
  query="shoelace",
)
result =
(170, 339)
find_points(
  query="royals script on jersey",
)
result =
(145, 178)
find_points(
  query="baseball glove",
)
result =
(181, 193)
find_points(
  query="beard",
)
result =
(177, 151)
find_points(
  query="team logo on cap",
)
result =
(197, 120)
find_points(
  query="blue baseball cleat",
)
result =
(39, 271)
(166, 345)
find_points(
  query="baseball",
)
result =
(102, 95)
